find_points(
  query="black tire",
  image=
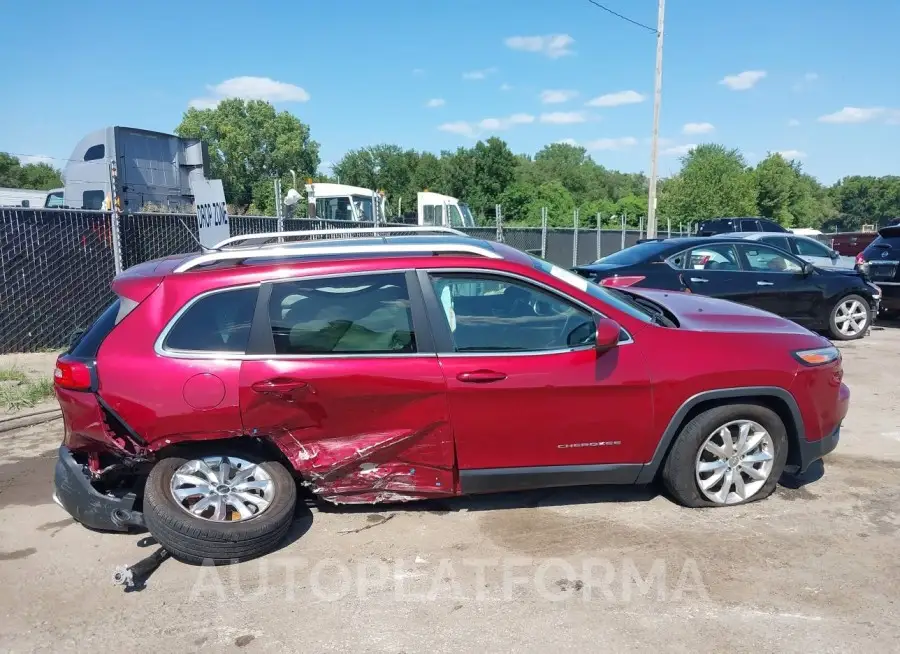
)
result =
(833, 330)
(678, 475)
(197, 541)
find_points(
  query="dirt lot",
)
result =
(586, 569)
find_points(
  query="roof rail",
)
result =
(310, 250)
(340, 231)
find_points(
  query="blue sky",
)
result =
(815, 78)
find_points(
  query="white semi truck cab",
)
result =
(344, 202)
(443, 210)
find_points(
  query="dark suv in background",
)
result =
(727, 225)
(880, 261)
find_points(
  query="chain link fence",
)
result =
(56, 265)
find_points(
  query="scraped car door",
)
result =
(352, 389)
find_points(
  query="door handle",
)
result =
(764, 284)
(481, 376)
(278, 385)
(699, 280)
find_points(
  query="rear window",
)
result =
(636, 253)
(219, 322)
(88, 344)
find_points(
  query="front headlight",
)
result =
(819, 356)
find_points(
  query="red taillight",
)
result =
(616, 282)
(73, 375)
(860, 258)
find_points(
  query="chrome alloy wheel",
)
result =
(851, 317)
(222, 488)
(734, 462)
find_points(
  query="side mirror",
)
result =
(808, 269)
(607, 333)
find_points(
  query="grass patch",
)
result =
(18, 391)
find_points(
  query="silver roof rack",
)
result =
(340, 231)
(298, 251)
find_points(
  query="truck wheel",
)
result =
(727, 455)
(849, 318)
(219, 508)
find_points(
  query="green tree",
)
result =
(493, 170)
(250, 144)
(778, 189)
(714, 181)
(37, 176)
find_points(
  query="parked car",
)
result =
(881, 263)
(729, 225)
(753, 273)
(373, 370)
(803, 247)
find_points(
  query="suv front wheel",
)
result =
(727, 455)
(219, 507)
(849, 318)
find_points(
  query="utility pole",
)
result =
(654, 146)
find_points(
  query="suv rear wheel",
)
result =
(727, 455)
(219, 507)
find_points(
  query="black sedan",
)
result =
(841, 302)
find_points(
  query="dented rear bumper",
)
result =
(74, 493)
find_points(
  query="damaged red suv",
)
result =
(417, 366)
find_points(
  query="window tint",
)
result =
(95, 152)
(54, 200)
(219, 322)
(501, 315)
(810, 248)
(778, 242)
(92, 200)
(750, 226)
(719, 256)
(360, 314)
(770, 226)
(456, 219)
(88, 344)
(762, 258)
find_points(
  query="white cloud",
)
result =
(792, 154)
(617, 99)
(460, 127)
(551, 45)
(793, 122)
(26, 159)
(743, 81)
(557, 96)
(435, 102)
(473, 130)
(506, 87)
(678, 150)
(697, 128)
(571, 142)
(564, 117)
(620, 143)
(251, 88)
(855, 115)
(479, 74)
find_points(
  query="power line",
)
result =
(625, 18)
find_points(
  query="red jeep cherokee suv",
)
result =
(417, 366)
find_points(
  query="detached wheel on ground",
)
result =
(727, 455)
(849, 318)
(219, 508)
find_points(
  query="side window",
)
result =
(219, 322)
(456, 219)
(428, 215)
(750, 226)
(92, 200)
(364, 314)
(811, 249)
(54, 200)
(503, 315)
(762, 258)
(770, 226)
(95, 152)
(720, 256)
(777, 241)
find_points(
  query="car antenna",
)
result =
(203, 248)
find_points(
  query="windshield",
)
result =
(468, 218)
(612, 297)
(636, 253)
(363, 206)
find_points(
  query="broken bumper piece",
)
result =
(73, 492)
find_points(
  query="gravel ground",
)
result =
(599, 569)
